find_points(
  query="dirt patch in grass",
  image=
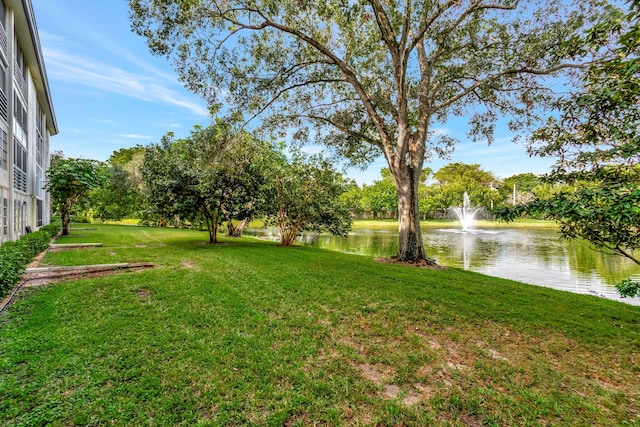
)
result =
(420, 264)
(188, 265)
(374, 375)
(46, 278)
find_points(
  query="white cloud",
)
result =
(134, 136)
(88, 72)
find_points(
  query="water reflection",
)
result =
(533, 256)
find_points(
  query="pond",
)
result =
(534, 256)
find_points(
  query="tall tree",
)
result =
(70, 181)
(372, 76)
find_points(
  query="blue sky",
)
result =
(109, 92)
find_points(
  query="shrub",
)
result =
(15, 255)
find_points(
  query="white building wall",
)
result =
(24, 204)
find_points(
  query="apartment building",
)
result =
(27, 121)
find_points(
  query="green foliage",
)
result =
(382, 194)
(123, 196)
(215, 174)
(628, 288)
(524, 184)
(596, 138)
(308, 197)
(453, 179)
(69, 181)
(15, 255)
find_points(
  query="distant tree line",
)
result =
(215, 177)
(445, 188)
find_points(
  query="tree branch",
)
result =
(344, 129)
(511, 71)
(287, 89)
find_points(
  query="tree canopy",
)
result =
(454, 179)
(70, 181)
(215, 173)
(370, 77)
(307, 196)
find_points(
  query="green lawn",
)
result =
(250, 333)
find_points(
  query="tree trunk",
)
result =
(288, 236)
(212, 227)
(236, 230)
(66, 220)
(410, 245)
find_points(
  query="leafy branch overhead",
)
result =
(596, 138)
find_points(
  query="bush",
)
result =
(15, 255)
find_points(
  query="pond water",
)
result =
(535, 256)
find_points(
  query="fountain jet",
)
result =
(465, 212)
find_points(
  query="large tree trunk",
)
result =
(410, 245)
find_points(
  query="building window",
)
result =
(20, 70)
(4, 150)
(20, 122)
(20, 167)
(4, 45)
(3, 14)
(39, 182)
(39, 213)
(39, 138)
(4, 100)
(4, 215)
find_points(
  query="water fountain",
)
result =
(465, 213)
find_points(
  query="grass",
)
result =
(250, 333)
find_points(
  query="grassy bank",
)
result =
(250, 333)
(519, 223)
(387, 223)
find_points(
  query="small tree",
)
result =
(381, 194)
(122, 197)
(71, 180)
(308, 198)
(214, 174)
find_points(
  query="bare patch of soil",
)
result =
(373, 374)
(47, 278)
(391, 391)
(189, 265)
(420, 264)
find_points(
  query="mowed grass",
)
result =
(250, 333)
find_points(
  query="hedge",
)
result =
(14, 256)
